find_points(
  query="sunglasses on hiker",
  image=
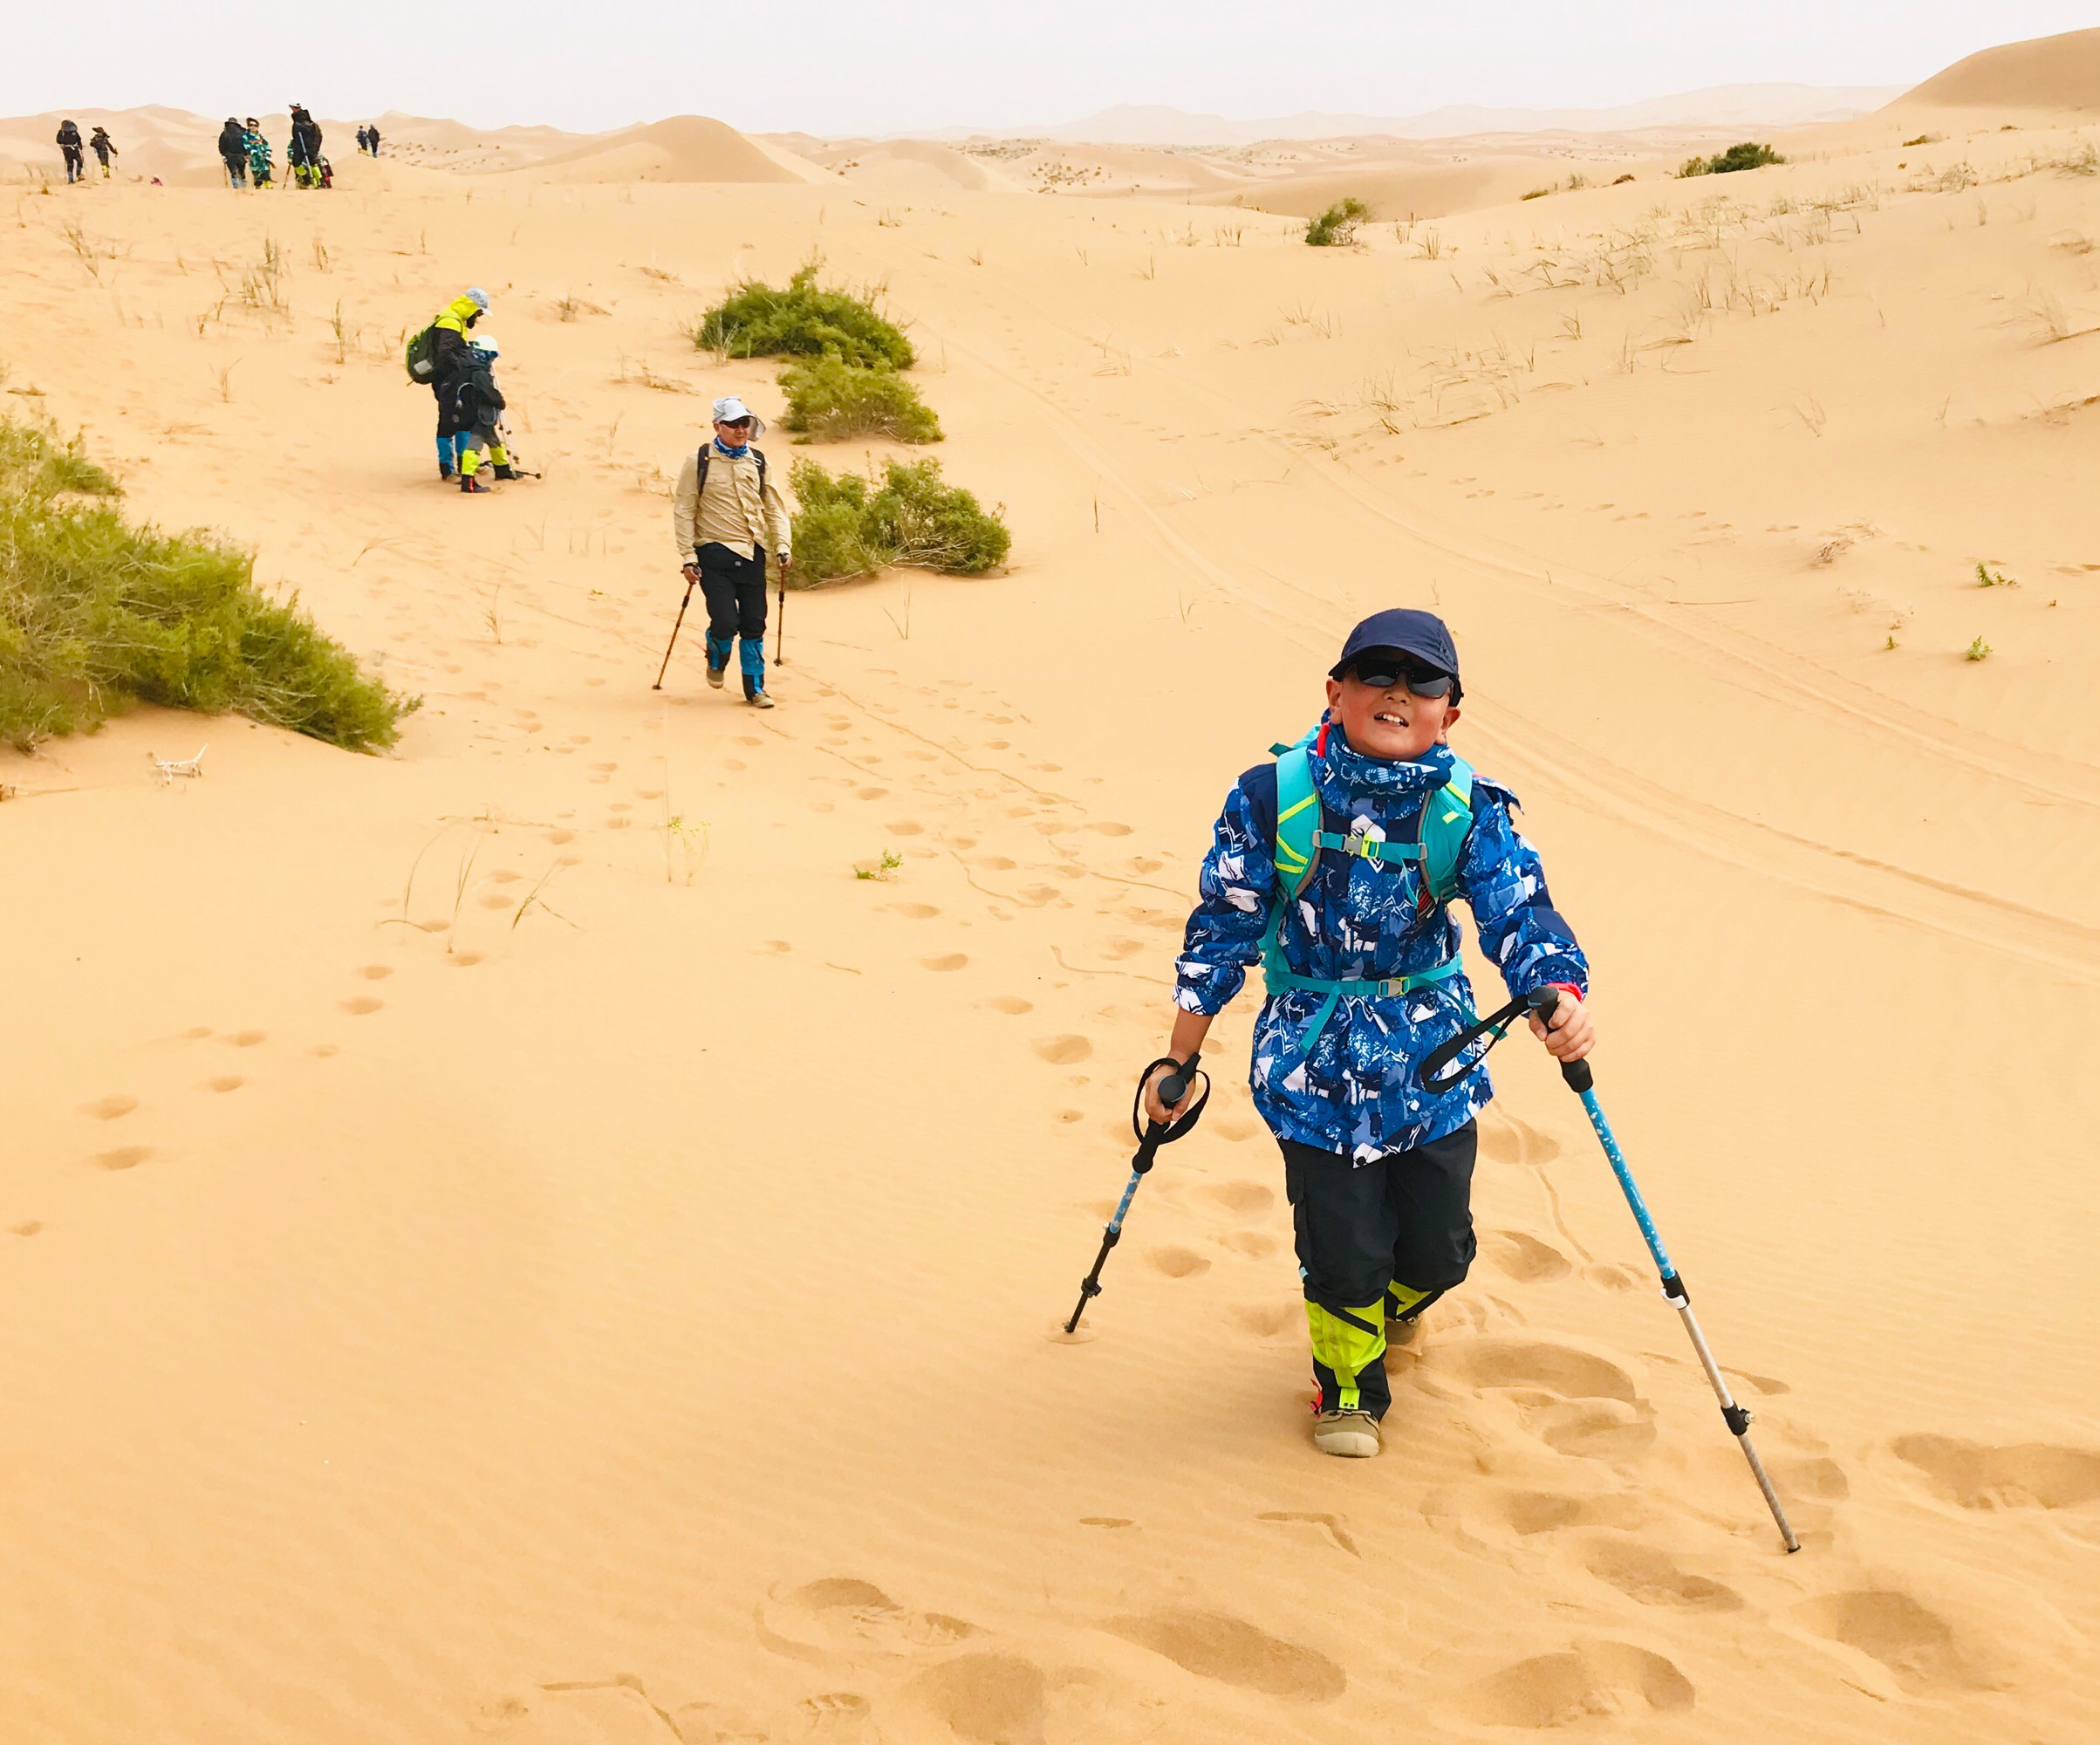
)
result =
(1383, 670)
(734, 423)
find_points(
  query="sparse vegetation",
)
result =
(879, 869)
(1748, 155)
(1337, 226)
(854, 523)
(829, 399)
(1988, 577)
(806, 320)
(97, 613)
(1978, 650)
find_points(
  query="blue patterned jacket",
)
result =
(1353, 1087)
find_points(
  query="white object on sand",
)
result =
(169, 768)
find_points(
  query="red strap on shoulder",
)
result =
(1320, 743)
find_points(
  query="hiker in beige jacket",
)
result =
(728, 514)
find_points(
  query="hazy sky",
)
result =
(831, 67)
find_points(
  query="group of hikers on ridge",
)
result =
(70, 146)
(246, 154)
(368, 140)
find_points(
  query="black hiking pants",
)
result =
(733, 585)
(1387, 1236)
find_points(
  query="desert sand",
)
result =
(511, 1239)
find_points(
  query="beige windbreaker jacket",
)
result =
(735, 513)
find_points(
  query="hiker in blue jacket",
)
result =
(1335, 867)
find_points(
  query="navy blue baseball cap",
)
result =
(1422, 634)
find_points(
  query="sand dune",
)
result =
(2050, 73)
(513, 1239)
(683, 149)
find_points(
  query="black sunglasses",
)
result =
(1382, 673)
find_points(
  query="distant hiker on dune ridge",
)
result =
(104, 148)
(727, 514)
(372, 133)
(258, 154)
(303, 154)
(233, 152)
(68, 137)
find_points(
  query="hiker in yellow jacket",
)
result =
(728, 514)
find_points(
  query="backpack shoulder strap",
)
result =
(1297, 849)
(700, 472)
(759, 455)
(1446, 822)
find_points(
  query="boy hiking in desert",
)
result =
(1335, 867)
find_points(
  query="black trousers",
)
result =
(733, 583)
(1390, 1235)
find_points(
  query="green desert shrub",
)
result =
(856, 523)
(830, 398)
(805, 320)
(97, 613)
(1748, 156)
(1338, 224)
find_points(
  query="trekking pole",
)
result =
(673, 643)
(780, 619)
(1150, 1137)
(1582, 1081)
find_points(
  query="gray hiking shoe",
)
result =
(759, 699)
(1402, 1332)
(714, 678)
(1354, 1435)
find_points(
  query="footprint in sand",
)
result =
(1248, 1199)
(248, 1038)
(1330, 1525)
(987, 1698)
(871, 793)
(494, 900)
(1215, 1644)
(29, 1227)
(1254, 1244)
(1267, 1320)
(560, 838)
(1919, 1649)
(1180, 1263)
(947, 961)
(1527, 1512)
(1062, 1051)
(1609, 1277)
(841, 1615)
(1592, 1680)
(124, 1157)
(1091, 1520)
(2017, 1476)
(914, 912)
(227, 1081)
(1507, 1139)
(1643, 1573)
(1012, 1004)
(376, 972)
(362, 1006)
(111, 1108)
(1106, 829)
(1575, 1402)
(1526, 1258)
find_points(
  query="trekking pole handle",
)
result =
(1544, 1003)
(1174, 1086)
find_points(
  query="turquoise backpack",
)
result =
(1446, 820)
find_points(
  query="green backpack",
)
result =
(1447, 821)
(418, 356)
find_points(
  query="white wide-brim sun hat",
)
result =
(730, 408)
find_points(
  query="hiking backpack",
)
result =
(1440, 843)
(420, 358)
(1440, 839)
